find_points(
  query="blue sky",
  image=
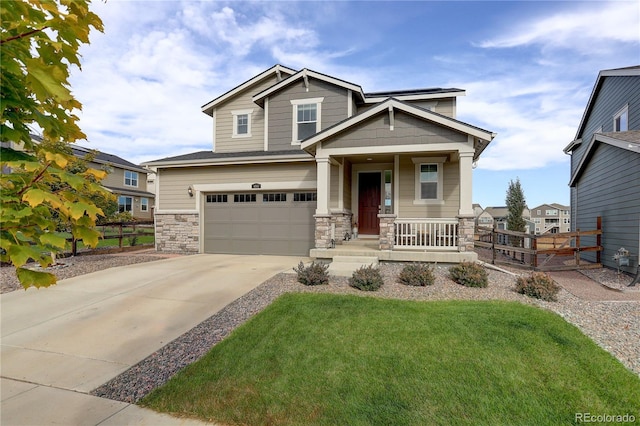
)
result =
(528, 69)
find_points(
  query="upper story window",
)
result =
(242, 123)
(306, 118)
(621, 120)
(130, 178)
(428, 180)
(551, 212)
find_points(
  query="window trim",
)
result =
(236, 114)
(125, 204)
(294, 116)
(137, 179)
(622, 111)
(420, 161)
(144, 204)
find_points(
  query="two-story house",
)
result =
(497, 216)
(127, 181)
(551, 218)
(300, 160)
(605, 165)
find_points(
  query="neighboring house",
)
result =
(551, 218)
(498, 216)
(300, 158)
(127, 181)
(605, 165)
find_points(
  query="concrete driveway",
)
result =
(60, 343)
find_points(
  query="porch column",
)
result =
(387, 231)
(324, 183)
(466, 228)
(466, 184)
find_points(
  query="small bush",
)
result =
(538, 285)
(314, 274)
(469, 274)
(366, 278)
(417, 274)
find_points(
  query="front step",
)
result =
(345, 266)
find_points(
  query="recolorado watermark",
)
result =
(604, 418)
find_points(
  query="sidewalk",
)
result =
(585, 288)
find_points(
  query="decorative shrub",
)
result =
(469, 274)
(366, 278)
(417, 274)
(314, 274)
(538, 285)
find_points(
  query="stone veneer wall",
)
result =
(466, 228)
(178, 233)
(323, 231)
(343, 225)
(387, 231)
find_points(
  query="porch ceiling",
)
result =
(389, 158)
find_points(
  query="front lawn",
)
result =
(324, 359)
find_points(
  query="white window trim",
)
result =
(144, 204)
(137, 178)
(294, 116)
(621, 111)
(419, 161)
(125, 204)
(235, 115)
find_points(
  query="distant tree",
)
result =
(39, 41)
(516, 204)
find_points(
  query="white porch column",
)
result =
(324, 183)
(466, 184)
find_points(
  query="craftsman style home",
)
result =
(303, 163)
(605, 166)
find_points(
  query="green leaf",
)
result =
(20, 254)
(34, 197)
(49, 79)
(29, 278)
(88, 236)
(55, 240)
(8, 154)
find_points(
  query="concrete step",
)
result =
(345, 266)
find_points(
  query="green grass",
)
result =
(327, 360)
(111, 231)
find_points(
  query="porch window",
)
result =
(144, 204)
(306, 118)
(428, 180)
(125, 204)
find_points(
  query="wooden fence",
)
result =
(119, 231)
(541, 252)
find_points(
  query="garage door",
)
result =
(259, 223)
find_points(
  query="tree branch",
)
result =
(27, 34)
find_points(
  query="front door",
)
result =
(369, 203)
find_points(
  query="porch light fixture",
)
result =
(369, 159)
(190, 191)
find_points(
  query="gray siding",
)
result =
(408, 130)
(333, 110)
(610, 187)
(615, 93)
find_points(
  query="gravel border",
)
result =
(615, 326)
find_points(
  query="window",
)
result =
(244, 198)
(537, 220)
(538, 212)
(130, 178)
(125, 204)
(274, 198)
(306, 118)
(567, 220)
(144, 204)
(428, 180)
(551, 212)
(216, 198)
(305, 196)
(621, 120)
(242, 123)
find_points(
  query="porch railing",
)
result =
(441, 234)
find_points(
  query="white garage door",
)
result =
(259, 223)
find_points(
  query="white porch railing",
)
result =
(441, 234)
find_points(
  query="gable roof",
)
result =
(276, 69)
(104, 158)
(616, 72)
(304, 74)
(483, 137)
(629, 140)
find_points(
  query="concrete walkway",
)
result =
(60, 343)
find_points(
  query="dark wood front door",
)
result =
(369, 203)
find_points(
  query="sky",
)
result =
(528, 68)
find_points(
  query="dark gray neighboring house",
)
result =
(605, 165)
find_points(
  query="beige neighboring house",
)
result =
(300, 159)
(551, 218)
(498, 215)
(127, 181)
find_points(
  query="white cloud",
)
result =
(585, 30)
